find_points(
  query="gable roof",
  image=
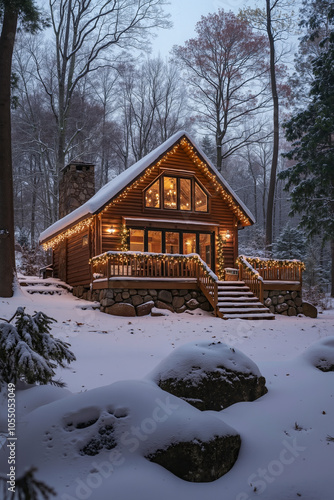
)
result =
(114, 187)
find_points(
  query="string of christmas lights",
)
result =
(220, 256)
(202, 166)
(216, 184)
(241, 260)
(124, 238)
(257, 261)
(122, 257)
(143, 177)
(69, 232)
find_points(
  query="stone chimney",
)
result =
(76, 186)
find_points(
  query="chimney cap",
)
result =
(79, 165)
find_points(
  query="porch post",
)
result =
(108, 270)
(215, 297)
(261, 292)
(240, 272)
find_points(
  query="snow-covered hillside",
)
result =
(287, 449)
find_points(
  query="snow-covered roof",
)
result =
(116, 185)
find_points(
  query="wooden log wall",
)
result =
(77, 255)
(133, 206)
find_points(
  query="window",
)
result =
(189, 243)
(85, 240)
(201, 199)
(152, 195)
(178, 193)
(172, 241)
(205, 250)
(137, 240)
(170, 193)
(185, 194)
(154, 241)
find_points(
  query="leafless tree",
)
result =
(226, 73)
(86, 36)
(276, 19)
(153, 105)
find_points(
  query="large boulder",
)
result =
(199, 461)
(210, 375)
(121, 309)
(309, 310)
(321, 354)
(105, 427)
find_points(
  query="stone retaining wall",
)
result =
(288, 303)
(139, 302)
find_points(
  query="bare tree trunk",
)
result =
(332, 268)
(272, 183)
(7, 252)
(35, 182)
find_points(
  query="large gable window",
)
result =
(176, 193)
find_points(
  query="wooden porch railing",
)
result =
(156, 265)
(255, 271)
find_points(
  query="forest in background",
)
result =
(77, 96)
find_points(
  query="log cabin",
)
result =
(167, 225)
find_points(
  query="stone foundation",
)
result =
(139, 302)
(288, 303)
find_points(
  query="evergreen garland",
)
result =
(124, 238)
(220, 257)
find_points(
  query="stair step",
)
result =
(229, 283)
(240, 299)
(44, 291)
(235, 294)
(235, 310)
(33, 285)
(233, 288)
(249, 316)
(242, 304)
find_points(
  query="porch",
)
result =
(243, 298)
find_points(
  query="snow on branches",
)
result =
(29, 352)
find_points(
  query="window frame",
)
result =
(181, 233)
(178, 177)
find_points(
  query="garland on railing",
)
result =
(124, 238)
(161, 257)
(242, 260)
(273, 262)
(220, 256)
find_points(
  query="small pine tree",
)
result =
(290, 244)
(29, 352)
(27, 487)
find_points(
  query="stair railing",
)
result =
(251, 277)
(207, 282)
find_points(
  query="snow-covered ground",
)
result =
(287, 449)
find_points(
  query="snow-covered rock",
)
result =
(115, 423)
(210, 375)
(321, 354)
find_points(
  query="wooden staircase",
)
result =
(48, 286)
(235, 300)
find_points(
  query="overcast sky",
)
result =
(185, 14)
